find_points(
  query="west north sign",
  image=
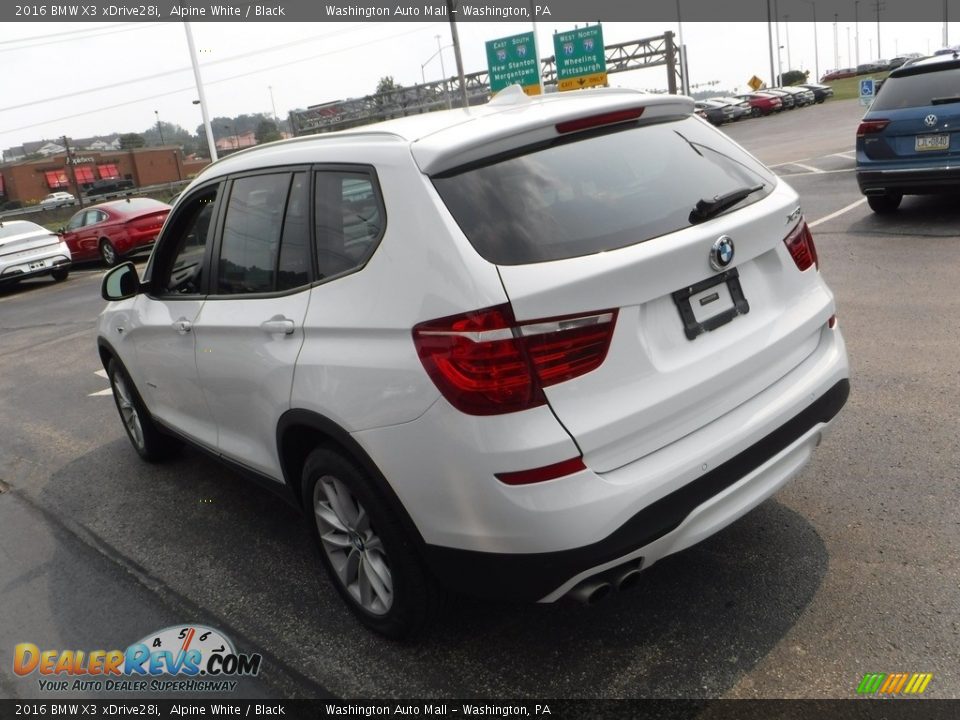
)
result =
(581, 62)
(513, 61)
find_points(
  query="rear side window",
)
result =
(597, 193)
(349, 220)
(918, 90)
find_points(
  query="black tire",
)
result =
(884, 204)
(152, 445)
(108, 253)
(755, 112)
(376, 542)
(60, 275)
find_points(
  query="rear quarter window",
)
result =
(596, 192)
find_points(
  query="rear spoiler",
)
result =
(511, 123)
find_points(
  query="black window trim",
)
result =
(315, 279)
(213, 258)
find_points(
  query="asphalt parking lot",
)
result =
(853, 568)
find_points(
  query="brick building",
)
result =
(29, 181)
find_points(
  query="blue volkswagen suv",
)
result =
(908, 143)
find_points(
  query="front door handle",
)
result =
(278, 325)
(183, 326)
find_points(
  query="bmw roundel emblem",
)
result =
(721, 253)
(930, 120)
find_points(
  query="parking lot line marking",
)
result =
(792, 162)
(809, 168)
(108, 391)
(818, 172)
(101, 373)
(849, 154)
(838, 213)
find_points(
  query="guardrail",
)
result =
(94, 199)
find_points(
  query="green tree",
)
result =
(267, 131)
(794, 77)
(128, 141)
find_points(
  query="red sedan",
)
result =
(116, 229)
(762, 104)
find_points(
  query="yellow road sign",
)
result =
(584, 81)
(755, 83)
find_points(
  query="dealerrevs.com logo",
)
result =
(191, 658)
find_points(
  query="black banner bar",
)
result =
(469, 11)
(854, 709)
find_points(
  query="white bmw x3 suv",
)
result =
(522, 350)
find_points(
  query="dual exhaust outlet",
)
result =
(601, 586)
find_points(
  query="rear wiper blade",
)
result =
(706, 209)
(945, 100)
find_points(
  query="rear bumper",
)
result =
(12, 269)
(910, 181)
(672, 523)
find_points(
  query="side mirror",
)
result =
(120, 283)
(61, 230)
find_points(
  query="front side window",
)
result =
(180, 255)
(76, 222)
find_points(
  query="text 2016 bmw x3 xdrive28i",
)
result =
(519, 351)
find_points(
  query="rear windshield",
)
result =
(917, 90)
(601, 192)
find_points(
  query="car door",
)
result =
(250, 330)
(166, 369)
(87, 235)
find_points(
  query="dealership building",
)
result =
(29, 181)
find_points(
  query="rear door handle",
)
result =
(278, 325)
(183, 326)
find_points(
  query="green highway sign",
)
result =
(513, 61)
(580, 58)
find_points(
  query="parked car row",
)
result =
(719, 110)
(107, 232)
(872, 67)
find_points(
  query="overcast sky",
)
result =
(55, 74)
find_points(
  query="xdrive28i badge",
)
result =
(721, 252)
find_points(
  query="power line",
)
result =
(92, 33)
(213, 82)
(165, 73)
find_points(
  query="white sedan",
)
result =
(57, 199)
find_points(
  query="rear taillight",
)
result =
(869, 127)
(800, 244)
(486, 363)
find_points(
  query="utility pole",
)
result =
(443, 72)
(856, 32)
(159, 128)
(73, 172)
(816, 43)
(836, 45)
(879, 8)
(273, 106)
(451, 12)
(770, 41)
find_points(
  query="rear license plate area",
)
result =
(923, 143)
(711, 303)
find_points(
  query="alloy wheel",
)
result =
(128, 411)
(353, 548)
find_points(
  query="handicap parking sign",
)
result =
(867, 91)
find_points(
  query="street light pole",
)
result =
(816, 43)
(455, 37)
(776, 13)
(786, 29)
(203, 98)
